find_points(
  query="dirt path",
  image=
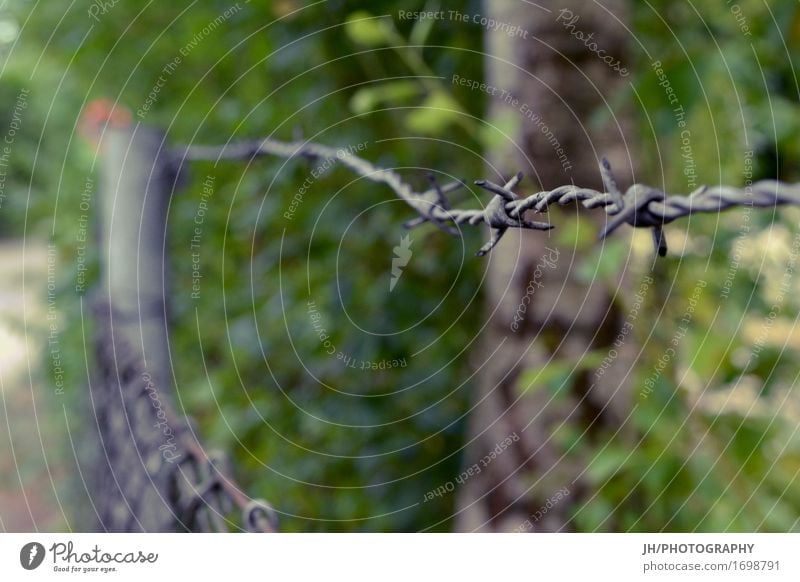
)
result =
(27, 500)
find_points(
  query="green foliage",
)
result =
(333, 447)
(714, 446)
(368, 30)
(710, 446)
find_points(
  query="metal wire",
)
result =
(641, 206)
(137, 488)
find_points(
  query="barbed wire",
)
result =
(196, 492)
(640, 206)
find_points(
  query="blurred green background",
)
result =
(722, 458)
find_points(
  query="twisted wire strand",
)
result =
(197, 490)
(641, 206)
(761, 194)
(645, 206)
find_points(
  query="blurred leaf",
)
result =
(605, 463)
(436, 113)
(366, 29)
(604, 260)
(496, 135)
(390, 93)
(555, 373)
(421, 30)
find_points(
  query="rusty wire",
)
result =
(640, 206)
(138, 490)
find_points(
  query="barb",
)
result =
(643, 206)
(640, 206)
(432, 205)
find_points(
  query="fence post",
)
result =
(152, 473)
(134, 487)
(137, 180)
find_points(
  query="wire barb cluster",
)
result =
(640, 206)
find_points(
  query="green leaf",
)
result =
(607, 462)
(364, 28)
(555, 373)
(595, 515)
(498, 133)
(434, 115)
(419, 34)
(604, 261)
(390, 93)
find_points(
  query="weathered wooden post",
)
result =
(138, 441)
(137, 181)
(152, 473)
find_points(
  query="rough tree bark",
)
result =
(557, 75)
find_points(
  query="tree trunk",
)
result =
(557, 74)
